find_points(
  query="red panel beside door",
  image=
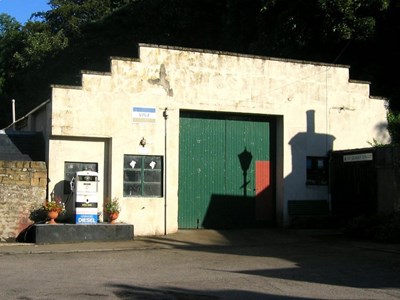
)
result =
(264, 201)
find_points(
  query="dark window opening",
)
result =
(317, 170)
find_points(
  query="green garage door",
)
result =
(224, 171)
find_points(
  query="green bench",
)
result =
(311, 214)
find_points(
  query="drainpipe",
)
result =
(13, 112)
(165, 115)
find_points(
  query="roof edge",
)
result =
(240, 55)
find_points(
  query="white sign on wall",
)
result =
(357, 157)
(144, 114)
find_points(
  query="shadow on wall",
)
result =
(304, 145)
(62, 189)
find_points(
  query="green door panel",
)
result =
(201, 165)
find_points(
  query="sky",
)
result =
(21, 10)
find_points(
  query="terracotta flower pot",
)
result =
(52, 215)
(112, 217)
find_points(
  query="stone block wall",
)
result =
(22, 189)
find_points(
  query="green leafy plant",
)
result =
(55, 204)
(393, 126)
(375, 143)
(112, 206)
(39, 214)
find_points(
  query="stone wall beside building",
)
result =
(22, 189)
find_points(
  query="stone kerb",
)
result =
(22, 188)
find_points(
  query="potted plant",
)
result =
(54, 208)
(112, 209)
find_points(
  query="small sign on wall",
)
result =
(358, 157)
(144, 114)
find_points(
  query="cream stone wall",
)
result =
(320, 109)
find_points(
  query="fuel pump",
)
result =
(84, 186)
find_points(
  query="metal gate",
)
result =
(224, 171)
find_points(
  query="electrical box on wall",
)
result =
(85, 194)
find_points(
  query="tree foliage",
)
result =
(70, 15)
(38, 44)
(350, 19)
(394, 126)
(10, 42)
(304, 26)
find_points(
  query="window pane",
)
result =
(132, 162)
(133, 189)
(132, 176)
(152, 189)
(321, 164)
(152, 162)
(152, 176)
(309, 163)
